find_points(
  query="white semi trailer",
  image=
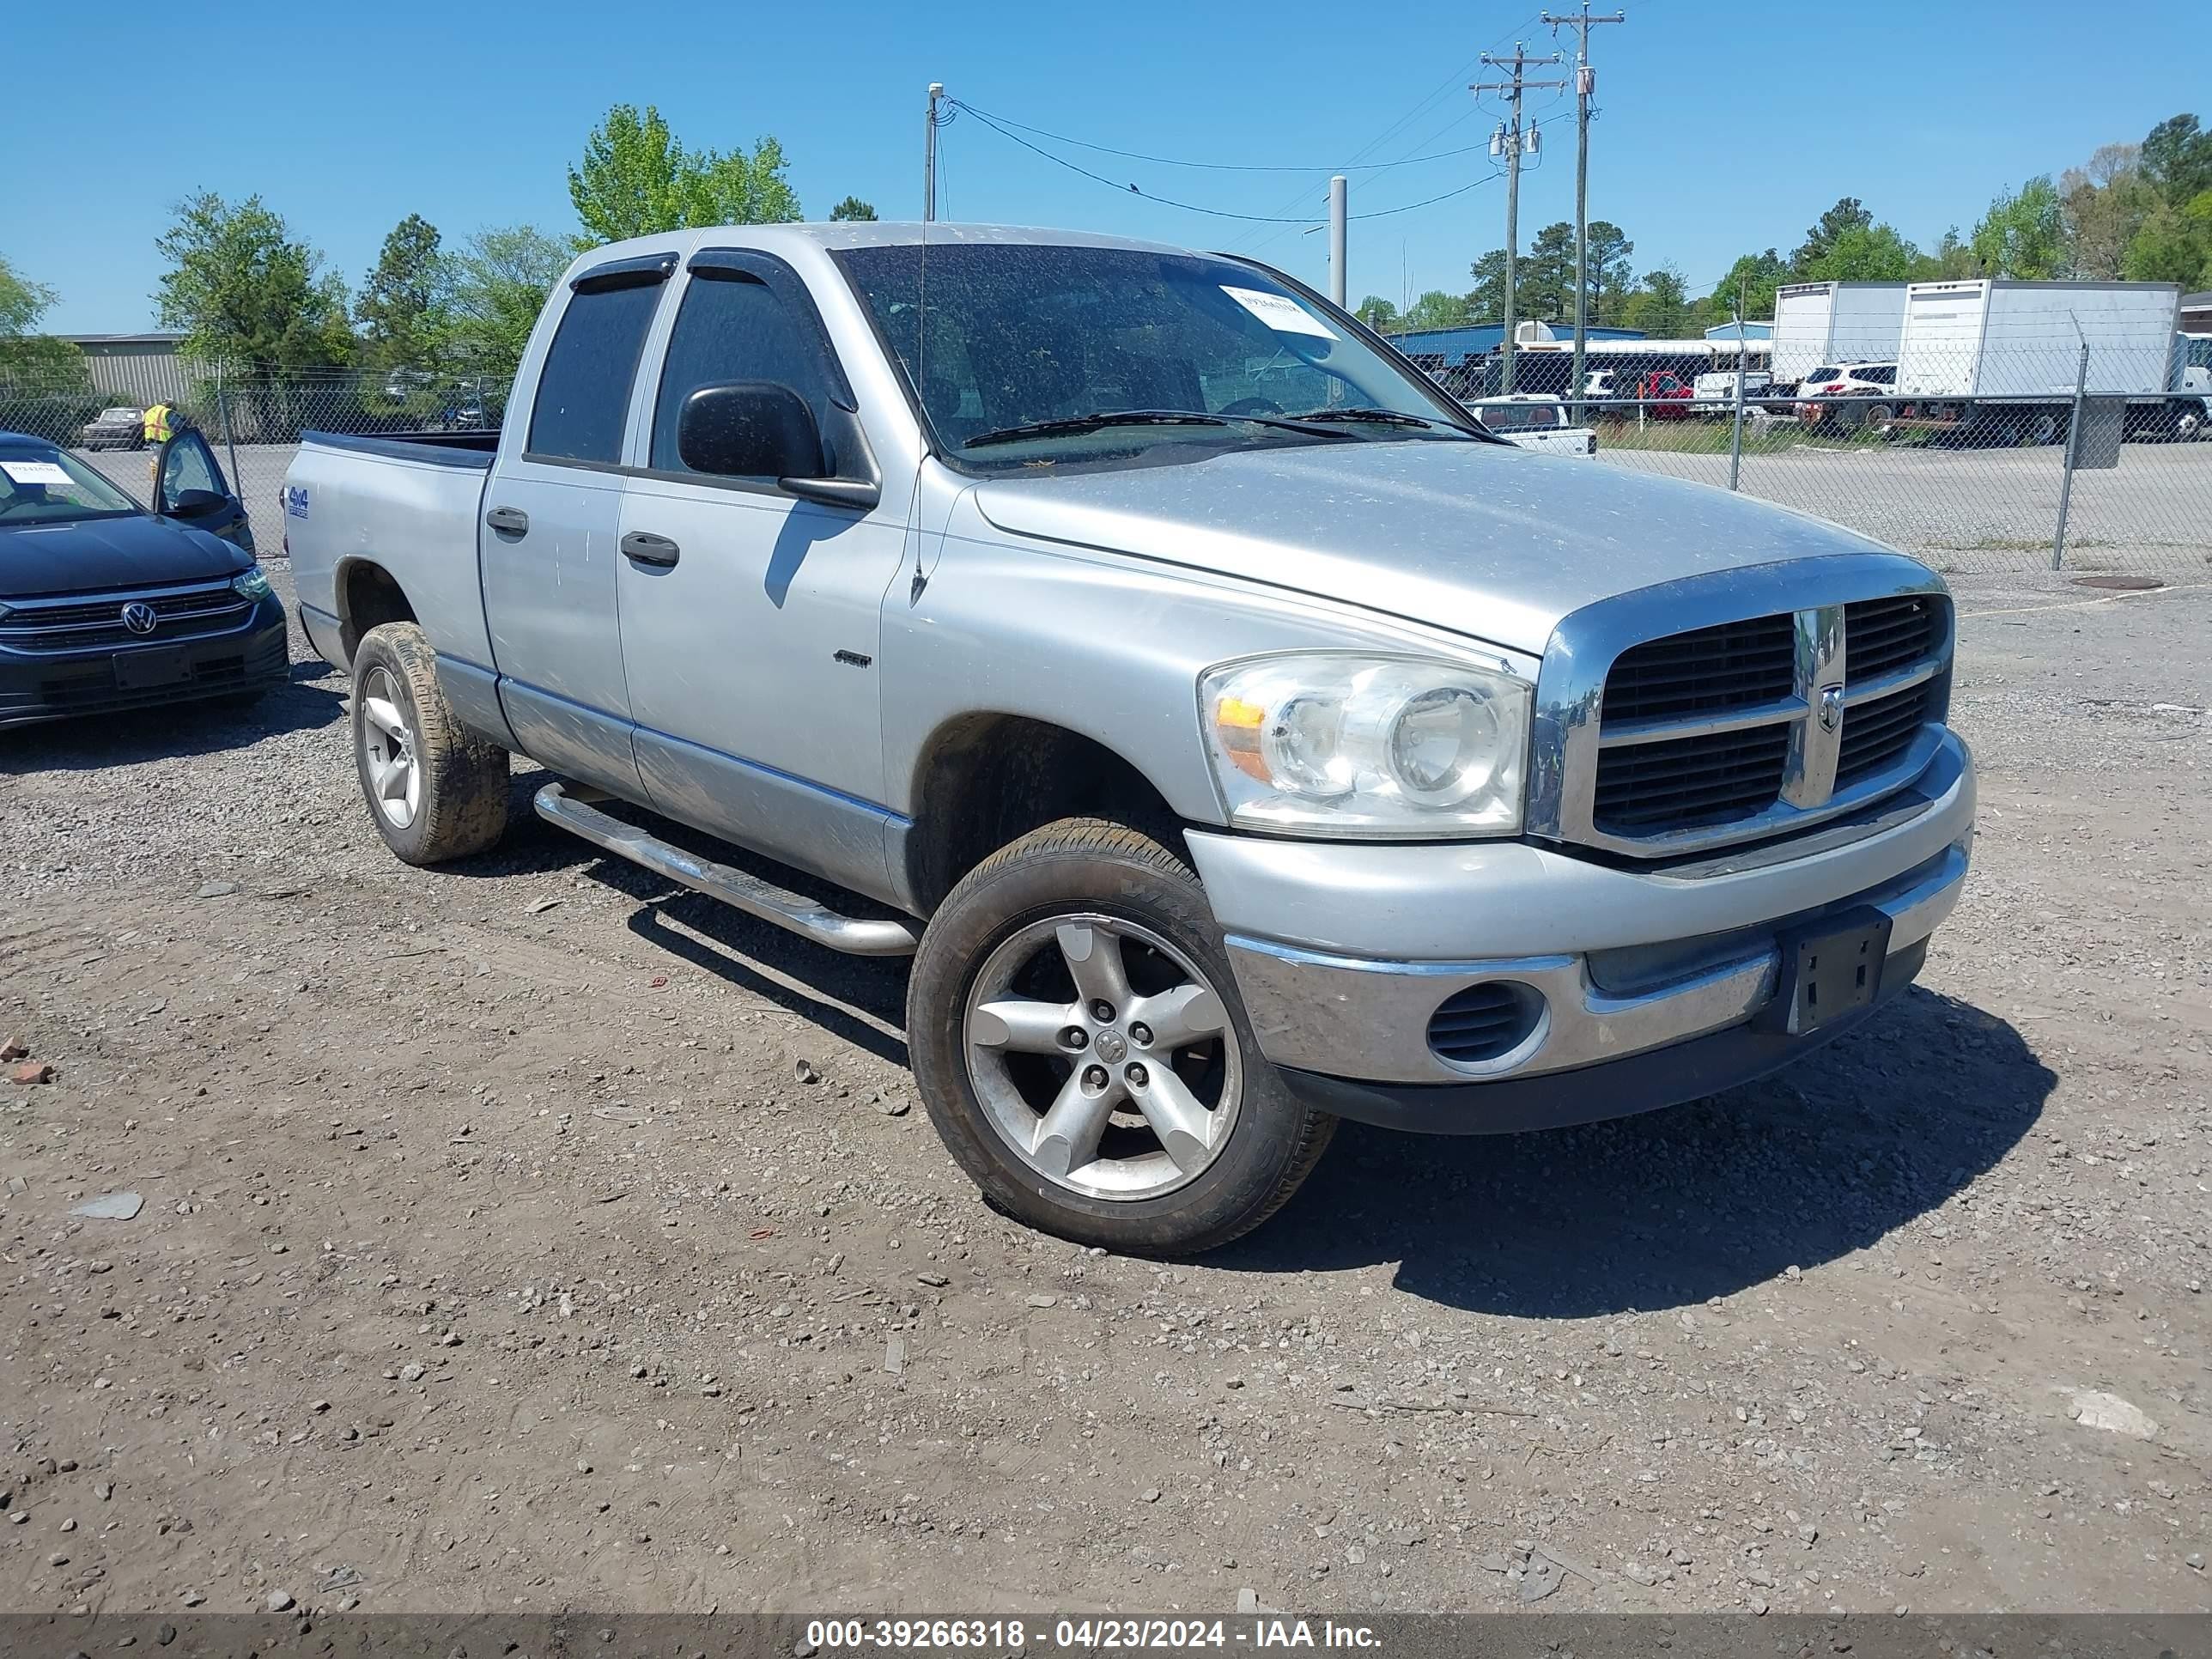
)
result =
(2001, 359)
(1825, 325)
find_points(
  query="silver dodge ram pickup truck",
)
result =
(1237, 736)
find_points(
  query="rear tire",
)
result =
(1022, 934)
(434, 791)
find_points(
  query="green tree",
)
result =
(2024, 233)
(852, 208)
(1546, 276)
(2102, 204)
(245, 292)
(23, 301)
(1378, 314)
(635, 180)
(1606, 269)
(1848, 213)
(23, 351)
(1952, 259)
(2173, 245)
(491, 290)
(2177, 160)
(1660, 306)
(398, 307)
(1436, 309)
(1485, 302)
(1865, 253)
(1750, 282)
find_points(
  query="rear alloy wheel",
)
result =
(435, 791)
(1077, 1035)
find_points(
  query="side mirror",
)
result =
(748, 429)
(197, 503)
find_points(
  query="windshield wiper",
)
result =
(1374, 417)
(1079, 423)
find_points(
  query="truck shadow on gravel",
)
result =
(1671, 1207)
(313, 698)
(858, 999)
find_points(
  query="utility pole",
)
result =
(929, 156)
(1336, 240)
(1509, 141)
(1585, 84)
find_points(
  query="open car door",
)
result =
(190, 488)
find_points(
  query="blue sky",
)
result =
(1723, 128)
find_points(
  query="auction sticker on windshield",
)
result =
(35, 472)
(1279, 312)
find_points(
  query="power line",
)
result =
(1130, 188)
(1004, 121)
(1450, 84)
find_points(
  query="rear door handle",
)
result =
(511, 520)
(643, 547)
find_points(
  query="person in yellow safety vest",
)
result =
(159, 425)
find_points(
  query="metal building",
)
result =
(134, 368)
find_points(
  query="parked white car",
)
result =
(1534, 419)
(1714, 391)
(1875, 383)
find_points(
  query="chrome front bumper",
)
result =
(1636, 961)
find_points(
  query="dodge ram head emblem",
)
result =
(1831, 707)
(139, 617)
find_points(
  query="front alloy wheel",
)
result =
(1077, 1037)
(1103, 1056)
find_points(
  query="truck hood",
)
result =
(1487, 540)
(141, 551)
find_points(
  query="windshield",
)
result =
(45, 486)
(1039, 356)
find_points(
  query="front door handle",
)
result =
(512, 521)
(643, 547)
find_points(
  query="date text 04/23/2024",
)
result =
(1087, 1635)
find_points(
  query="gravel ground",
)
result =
(493, 1254)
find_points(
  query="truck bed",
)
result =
(409, 502)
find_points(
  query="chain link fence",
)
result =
(2032, 453)
(2003, 458)
(254, 422)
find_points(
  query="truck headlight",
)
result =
(1326, 744)
(250, 583)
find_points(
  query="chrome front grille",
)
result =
(1723, 667)
(77, 622)
(1751, 727)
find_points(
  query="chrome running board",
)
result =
(804, 916)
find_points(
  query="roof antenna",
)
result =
(921, 308)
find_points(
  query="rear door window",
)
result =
(733, 326)
(583, 392)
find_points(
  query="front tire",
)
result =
(1074, 1023)
(434, 791)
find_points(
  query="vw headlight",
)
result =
(250, 583)
(1368, 747)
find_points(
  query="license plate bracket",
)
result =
(150, 671)
(1831, 968)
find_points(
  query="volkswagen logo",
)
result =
(1831, 707)
(139, 617)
